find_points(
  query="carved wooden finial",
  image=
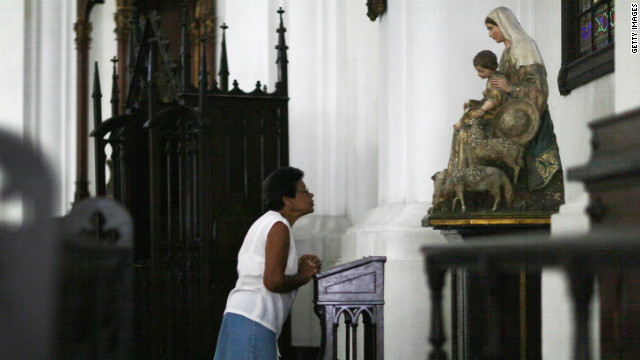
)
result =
(97, 122)
(97, 98)
(96, 83)
(282, 60)
(281, 29)
(224, 67)
(115, 101)
(258, 89)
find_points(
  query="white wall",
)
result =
(251, 38)
(627, 77)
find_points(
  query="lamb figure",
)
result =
(477, 178)
(479, 150)
(438, 184)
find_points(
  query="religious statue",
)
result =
(504, 142)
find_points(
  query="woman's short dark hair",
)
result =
(489, 20)
(486, 59)
(281, 182)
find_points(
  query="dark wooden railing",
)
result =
(95, 309)
(354, 290)
(583, 258)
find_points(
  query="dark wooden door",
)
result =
(206, 185)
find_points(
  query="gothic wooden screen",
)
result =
(205, 153)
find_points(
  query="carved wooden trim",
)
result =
(83, 29)
(203, 25)
(121, 17)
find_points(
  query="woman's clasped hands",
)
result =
(309, 265)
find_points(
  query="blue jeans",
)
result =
(244, 339)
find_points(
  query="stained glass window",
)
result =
(588, 29)
(596, 26)
(612, 18)
(585, 33)
(601, 27)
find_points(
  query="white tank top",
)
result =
(250, 298)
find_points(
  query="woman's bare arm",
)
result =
(276, 254)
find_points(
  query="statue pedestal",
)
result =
(517, 297)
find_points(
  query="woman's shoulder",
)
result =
(272, 217)
(267, 220)
(279, 229)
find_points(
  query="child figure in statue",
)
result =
(486, 64)
(474, 123)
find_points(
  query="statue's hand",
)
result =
(501, 83)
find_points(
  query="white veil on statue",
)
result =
(523, 49)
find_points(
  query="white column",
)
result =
(12, 16)
(42, 77)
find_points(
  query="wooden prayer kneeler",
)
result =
(353, 290)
